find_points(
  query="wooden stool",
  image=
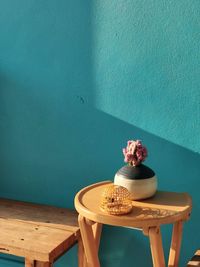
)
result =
(195, 261)
(147, 215)
(39, 233)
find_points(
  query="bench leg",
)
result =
(175, 244)
(33, 263)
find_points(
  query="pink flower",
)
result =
(134, 153)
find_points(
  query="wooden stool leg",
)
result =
(43, 264)
(175, 244)
(82, 262)
(156, 247)
(33, 263)
(89, 242)
(97, 229)
(29, 263)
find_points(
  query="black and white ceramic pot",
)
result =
(140, 180)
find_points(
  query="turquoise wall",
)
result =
(79, 78)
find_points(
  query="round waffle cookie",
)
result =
(116, 200)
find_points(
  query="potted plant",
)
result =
(139, 179)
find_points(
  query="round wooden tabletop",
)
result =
(163, 208)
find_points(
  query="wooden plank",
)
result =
(195, 261)
(193, 264)
(50, 216)
(34, 241)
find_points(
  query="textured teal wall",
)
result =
(79, 78)
(147, 66)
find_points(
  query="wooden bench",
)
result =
(39, 233)
(195, 261)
